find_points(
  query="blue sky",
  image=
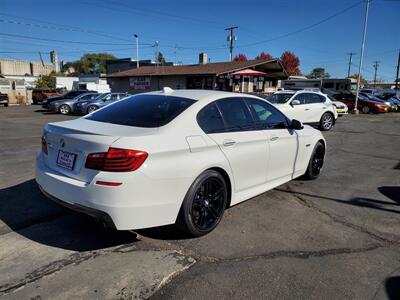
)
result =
(190, 27)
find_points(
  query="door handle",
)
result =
(324, 107)
(228, 143)
(274, 138)
(307, 109)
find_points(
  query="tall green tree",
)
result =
(318, 73)
(90, 63)
(46, 81)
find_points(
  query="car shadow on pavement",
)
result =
(168, 232)
(44, 112)
(387, 206)
(392, 192)
(26, 211)
(392, 286)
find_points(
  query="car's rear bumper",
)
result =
(140, 202)
(3, 101)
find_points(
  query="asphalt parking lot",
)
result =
(333, 238)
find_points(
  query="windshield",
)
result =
(279, 98)
(143, 111)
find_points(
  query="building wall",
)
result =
(156, 83)
(40, 69)
(16, 91)
(15, 67)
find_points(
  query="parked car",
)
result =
(86, 107)
(391, 97)
(68, 95)
(341, 108)
(309, 107)
(38, 95)
(389, 104)
(66, 106)
(364, 104)
(4, 99)
(174, 157)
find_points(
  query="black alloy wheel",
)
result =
(204, 204)
(316, 162)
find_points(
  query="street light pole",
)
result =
(361, 55)
(137, 51)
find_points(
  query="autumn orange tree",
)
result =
(291, 63)
(264, 55)
(240, 57)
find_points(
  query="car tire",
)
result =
(64, 109)
(326, 122)
(365, 110)
(91, 108)
(204, 204)
(6, 105)
(316, 162)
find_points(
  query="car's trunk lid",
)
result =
(74, 140)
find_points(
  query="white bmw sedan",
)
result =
(170, 157)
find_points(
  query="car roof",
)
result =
(198, 95)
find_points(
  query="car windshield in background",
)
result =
(279, 98)
(143, 111)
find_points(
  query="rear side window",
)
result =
(210, 120)
(142, 111)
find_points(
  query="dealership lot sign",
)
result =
(140, 83)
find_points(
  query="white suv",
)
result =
(309, 107)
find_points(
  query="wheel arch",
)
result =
(228, 182)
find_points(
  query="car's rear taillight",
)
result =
(44, 146)
(116, 160)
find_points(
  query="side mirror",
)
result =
(295, 102)
(297, 125)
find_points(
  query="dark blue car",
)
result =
(86, 107)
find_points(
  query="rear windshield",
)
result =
(142, 111)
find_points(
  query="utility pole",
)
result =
(137, 50)
(361, 55)
(397, 72)
(231, 38)
(350, 62)
(376, 65)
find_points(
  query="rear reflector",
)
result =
(116, 160)
(44, 146)
(106, 183)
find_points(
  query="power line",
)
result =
(60, 41)
(59, 27)
(304, 28)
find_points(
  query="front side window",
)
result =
(235, 114)
(302, 98)
(142, 111)
(266, 115)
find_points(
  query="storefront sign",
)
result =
(140, 83)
